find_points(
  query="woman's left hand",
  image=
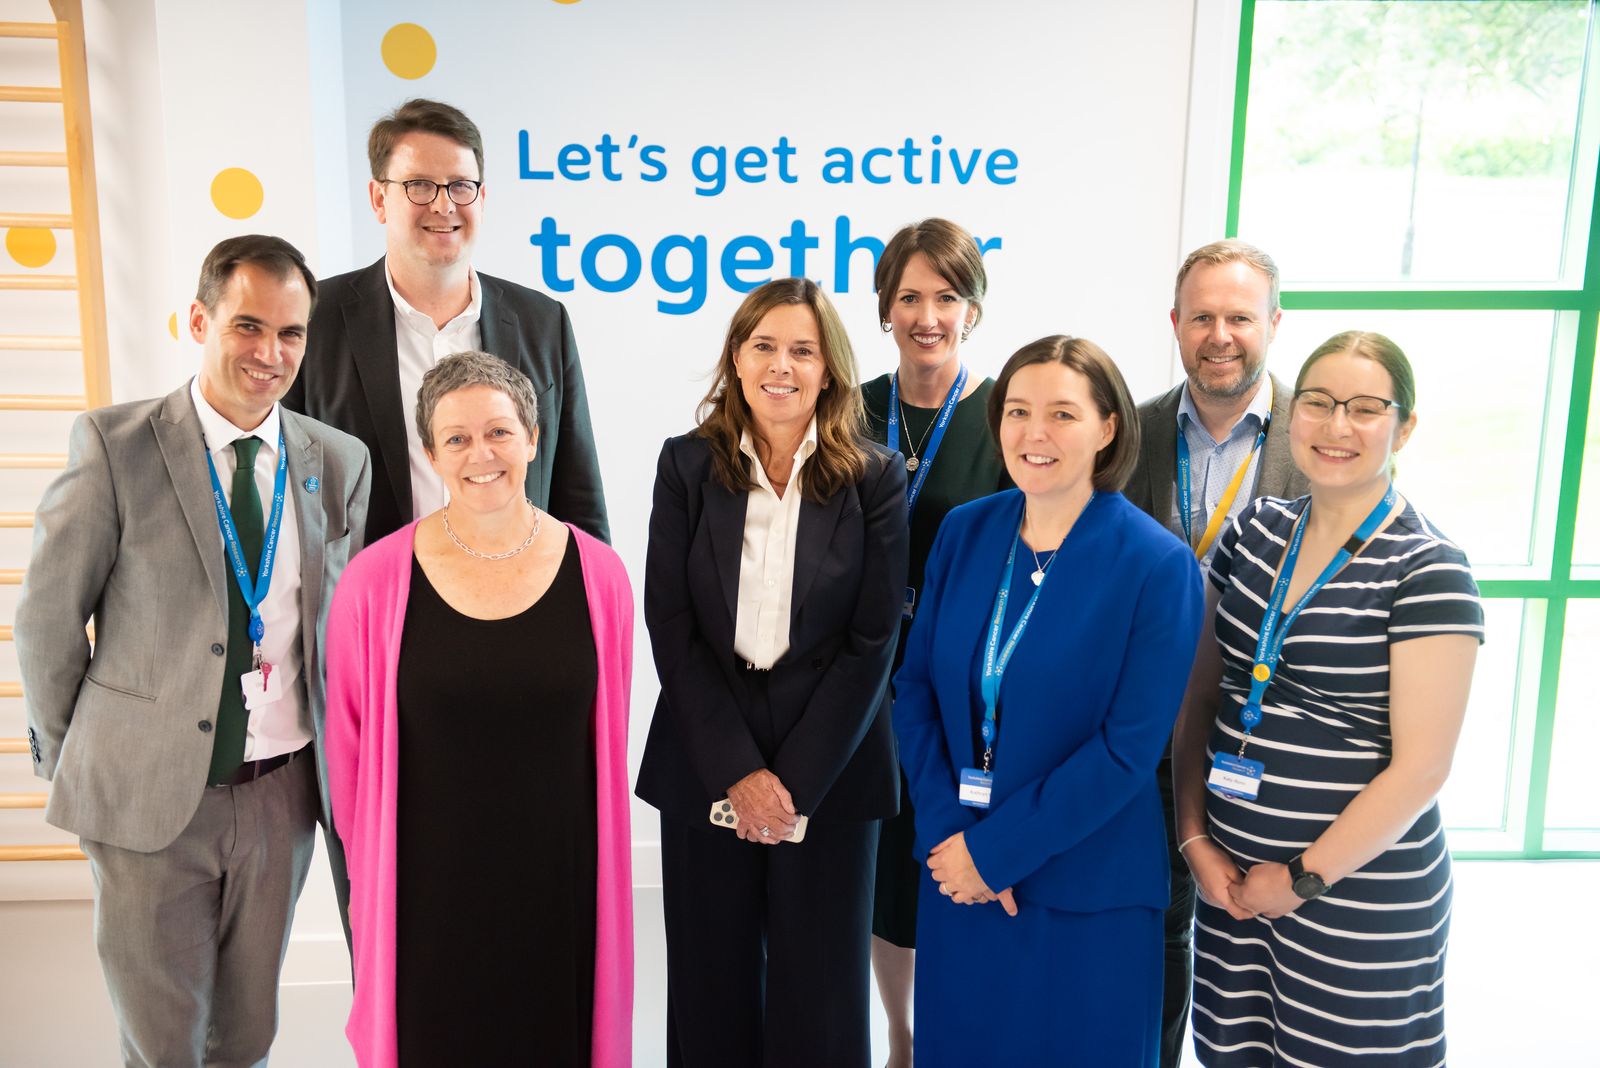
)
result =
(1267, 891)
(957, 875)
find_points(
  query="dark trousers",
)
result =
(767, 946)
(1179, 936)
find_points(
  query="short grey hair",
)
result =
(1231, 250)
(460, 370)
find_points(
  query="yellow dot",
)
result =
(566, 1)
(31, 246)
(1262, 672)
(408, 50)
(172, 325)
(237, 193)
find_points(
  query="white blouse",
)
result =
(766, 564)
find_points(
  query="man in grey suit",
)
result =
(1209, 446)
(181, 746)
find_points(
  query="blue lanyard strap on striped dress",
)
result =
(254, 592)
(1269, 644)
(892, 438)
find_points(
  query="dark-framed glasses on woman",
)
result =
(1317, 406)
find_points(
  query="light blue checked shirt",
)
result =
(1212, 464)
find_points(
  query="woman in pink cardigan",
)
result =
(479, 663)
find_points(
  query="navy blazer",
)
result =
(824, 727)
(1087, 703)
(350, 379)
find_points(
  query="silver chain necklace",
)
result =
(913, 461)
(538, 521)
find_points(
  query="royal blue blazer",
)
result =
(1086, 705)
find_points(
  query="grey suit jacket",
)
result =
(1151, 486)
(128, 534)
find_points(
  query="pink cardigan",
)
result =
(365, 623)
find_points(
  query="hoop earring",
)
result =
(885, 327)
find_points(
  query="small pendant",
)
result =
(1038, 576)
(912, 465)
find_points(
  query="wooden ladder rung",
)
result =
(6, 635)
(39, 402)
(16, 520)
(11, 576)
(28, 29)
(30, 94)
(38, 281)
(10, 689)
(45, 852)
(31, 461)
(14, 746)
(24, 800)
(33, 159)
(44, 220)
(41, 342)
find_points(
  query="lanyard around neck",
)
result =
(995, 656)
(254, 592)
(925, 462)
(1269, 643)
(1219, 515)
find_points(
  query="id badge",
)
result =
(1236, 776)
(261, 687)
(909, 605)
(974, 788)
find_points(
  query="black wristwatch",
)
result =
(1308, 885)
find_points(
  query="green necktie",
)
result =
(227, 751)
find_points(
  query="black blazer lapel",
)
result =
(501, 334)
(369, 333)
(1161, 446)
(724, 521)
(183, 447)
(813, 538)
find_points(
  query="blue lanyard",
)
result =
(996, 658)
(1269, 645)
(1185, 494)
(254, 592)
(892, 439)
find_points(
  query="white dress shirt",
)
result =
(281, 726)
(766, 564)
(421, 345)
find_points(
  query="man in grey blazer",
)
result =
(181, 745)
(1231, 418)
(378, 330)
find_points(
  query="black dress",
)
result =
(495, 873)
(968, 466)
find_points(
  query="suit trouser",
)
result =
(767, 946)
(1179, 935)
(192, 937)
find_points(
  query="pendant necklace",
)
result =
(1038, 568)
(912, 461)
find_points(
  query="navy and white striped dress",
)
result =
(1355, 977)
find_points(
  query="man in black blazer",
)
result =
(1225, 314)
(377, 330)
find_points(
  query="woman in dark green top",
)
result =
(930, 283)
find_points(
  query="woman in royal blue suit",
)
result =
(1039, 928)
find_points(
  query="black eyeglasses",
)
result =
(422, 192)
(1318, 407)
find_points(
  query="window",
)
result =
(1427, 170)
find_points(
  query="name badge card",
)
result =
(974, 788)
(909, 605)
(261, 687)
(1236, 776)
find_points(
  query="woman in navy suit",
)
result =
(773, 582)
(1044, 670)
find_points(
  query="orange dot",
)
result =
(237, 193)
(172, 325)
(31, 246)
(408, 50)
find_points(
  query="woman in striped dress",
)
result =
(1307, 758)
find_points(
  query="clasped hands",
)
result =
(761, 801)
(958, 877)
(1265, 890)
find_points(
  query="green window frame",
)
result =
(1558, 586)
